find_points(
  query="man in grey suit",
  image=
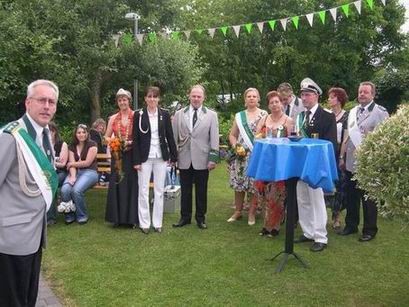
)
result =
(292, 104)
(362, 120)
(196, 131)
(27, 186)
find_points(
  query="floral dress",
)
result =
(238, 166)
(273, 195)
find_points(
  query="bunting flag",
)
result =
(139, 38)
(236, 30)
(248, 27)
(333, 12)
(310, 18)
(116, 38)
(127, 38)
(322, 16)
(295, 20)
(211, 32)
(358, 5)
(345, 8)
(284, 23)
(260, 26)
(272, 24)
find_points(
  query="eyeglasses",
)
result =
(43, 100)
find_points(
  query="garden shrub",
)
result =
(383, 165)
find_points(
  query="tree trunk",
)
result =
(95, 95)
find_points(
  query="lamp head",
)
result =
(132, 16)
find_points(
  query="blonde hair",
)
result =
(251, 89)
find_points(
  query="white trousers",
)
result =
(312, 212)
(158, 167)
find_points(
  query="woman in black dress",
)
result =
(122, 199)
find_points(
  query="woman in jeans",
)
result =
(82, 168)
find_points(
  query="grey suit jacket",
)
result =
(195, 146)
(22, 218)
(372, 117)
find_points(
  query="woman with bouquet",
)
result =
(275, 124)
(82, 174)
(154, 147)
(122, 199)
(241, 139)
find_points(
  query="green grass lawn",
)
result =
(97, 265)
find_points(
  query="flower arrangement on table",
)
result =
(117, 146)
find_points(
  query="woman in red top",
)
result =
(122, 199)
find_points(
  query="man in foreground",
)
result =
(28, 183)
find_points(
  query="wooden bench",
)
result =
(103, 166)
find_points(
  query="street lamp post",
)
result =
(135, 17)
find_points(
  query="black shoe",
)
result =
(303, 239)
(348, 231)
(69, 222)
(366, 238)
(273, 233)
(202, 225)
(145, 230)
(158, 230)
(317, 247)
(263, 232)
(181, 223)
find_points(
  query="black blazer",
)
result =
(142, 141)
(323, 122)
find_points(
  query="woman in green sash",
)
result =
(241, 139)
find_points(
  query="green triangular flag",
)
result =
(295, 20)
(175, 35)
(127, 39)
(248, 27)
(322, 16)
(370, 3)
(152, 37)
(345, 8)
(199, 31)
(272, 24)
(224, 30)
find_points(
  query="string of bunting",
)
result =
(128, 38)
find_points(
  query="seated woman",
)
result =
(275, 124)
(60, 161)
(82, 168)
(153, 147)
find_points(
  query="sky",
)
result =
(405, 27)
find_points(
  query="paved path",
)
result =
(46, 297)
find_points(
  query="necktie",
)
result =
(360, 113)
(46, 144)
(287, 111)
(307, 118)
(194, 118)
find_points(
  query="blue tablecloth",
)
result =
(312, 160)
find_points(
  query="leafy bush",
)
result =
(383, 165)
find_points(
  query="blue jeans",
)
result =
(86, 178)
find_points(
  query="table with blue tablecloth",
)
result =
(310, 160)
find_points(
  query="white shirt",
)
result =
(154, 149)
(39, 132)
(312, 110)
(191, 113)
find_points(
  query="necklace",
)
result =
(127, 126)
(278, 120)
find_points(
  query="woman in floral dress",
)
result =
(275, 124)
(122, 199)
(241, 139)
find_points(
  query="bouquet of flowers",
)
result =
(117, 146)
(241, 152)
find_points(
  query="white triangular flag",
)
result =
(187, 33)
(333, 12)
(211, 32)
(116, 37)
(358, 5)
(383, 2)
(139, 37)
(236, 30)
(284, 23)
(260, 26)
(310, 18)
